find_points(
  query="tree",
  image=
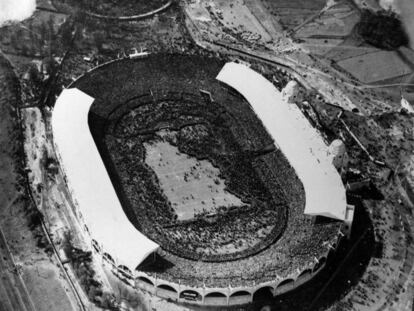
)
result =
(35, 75)
(383, 30)
(66, 35)
(99, 39)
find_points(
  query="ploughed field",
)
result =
(201, 178)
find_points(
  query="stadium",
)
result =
(196, 181)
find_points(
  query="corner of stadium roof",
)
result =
(304, 148)
(90, 184)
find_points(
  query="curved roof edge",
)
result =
(89, 181)
(297, 139)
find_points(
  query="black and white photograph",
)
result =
(203, 155)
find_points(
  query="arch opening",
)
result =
(305, 273)
(215, 299)
(167, 288)
(331, 254)
(305, 276)
(215, 294)
(285, 286)
(145, 280)
(190, 295)
(264, 293)
(166, 291)
(285, 283)
(240, 297)
(96, 246)
(109, 258)
(124, 269)
(320, 264)
(240, 293)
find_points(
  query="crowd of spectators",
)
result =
(206, 238)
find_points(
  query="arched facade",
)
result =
(228, 296)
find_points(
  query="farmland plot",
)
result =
(336, 21)
(292, 13)
(374, 67)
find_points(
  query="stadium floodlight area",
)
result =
(298, 140)
(90, 184)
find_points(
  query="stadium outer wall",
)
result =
(218, 296)
(209, 296)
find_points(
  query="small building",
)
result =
(405, 105)
(133, 53)
(338, 154)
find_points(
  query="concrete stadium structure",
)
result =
(111, 232)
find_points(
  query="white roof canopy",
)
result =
(298, 140)
(90, 183)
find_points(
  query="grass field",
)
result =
(192, 186)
